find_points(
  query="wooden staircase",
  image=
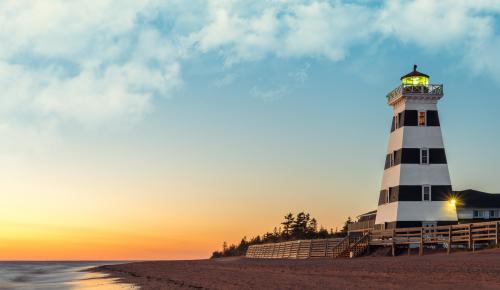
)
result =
(341, 247)
(356, 245)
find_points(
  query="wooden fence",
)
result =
(462, 234)
(447, 236)
(301, 249)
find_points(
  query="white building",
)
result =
(416, 187)
(476, 206)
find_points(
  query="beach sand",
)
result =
(462, 270)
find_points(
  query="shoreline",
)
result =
(460, 270)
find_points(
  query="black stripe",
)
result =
(432, 118)
(381, 199)
(414, 193)
(387, 161)
(409, 192)
(441, 192)
(412, 156)
(410, 118)
(437, 156)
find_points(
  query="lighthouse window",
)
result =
(426, 193)
(422, 119)
(424, 156)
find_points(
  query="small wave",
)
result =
(22, 279)
(40, 271)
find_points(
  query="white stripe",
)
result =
(416, 174)
(415, 137)
(416, 211)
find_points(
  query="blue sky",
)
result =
(226, 109)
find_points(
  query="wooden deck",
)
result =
(467, 235)
(446, 236)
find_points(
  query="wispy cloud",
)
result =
(270, 94)
(92, 62)
(300, 75)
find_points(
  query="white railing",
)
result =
(361, 226)
(433, 90)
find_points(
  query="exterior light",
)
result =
(453, 202)
(415, 78)
(416, 81)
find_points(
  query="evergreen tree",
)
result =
(287, 225)
(345, 228)
(301, 226)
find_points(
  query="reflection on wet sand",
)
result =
(56, 276)
(99, 281)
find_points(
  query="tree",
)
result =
(313, 226)
(287, 225)
(300, 226)
(323, 233)
(345, 228)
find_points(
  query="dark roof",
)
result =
(414, 73)
(478, 199)
(368, 214)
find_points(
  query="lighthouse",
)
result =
(416, 187)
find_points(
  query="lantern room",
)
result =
(415, 78)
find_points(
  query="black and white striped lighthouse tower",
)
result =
(416, 187)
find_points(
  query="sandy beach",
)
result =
(461, 270)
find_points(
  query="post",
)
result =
(368, 242)
(326, 247)
(449, 240)
(496, 234)
(310, 248)
(421, 248)
(393, 242)
(470, 236)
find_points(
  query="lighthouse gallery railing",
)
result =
(402, 90)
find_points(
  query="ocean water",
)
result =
(56, 276)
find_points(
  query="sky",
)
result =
(159, 129)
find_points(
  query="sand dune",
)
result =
(466, 270)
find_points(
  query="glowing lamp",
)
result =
(415, 78)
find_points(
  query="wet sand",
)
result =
(462, 270)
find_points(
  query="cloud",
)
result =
(243, 31)
(283, 29)
(271, 94)
(226, 80)
(432, 24)
(93, 62)
(81, 61)
(300, 75)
